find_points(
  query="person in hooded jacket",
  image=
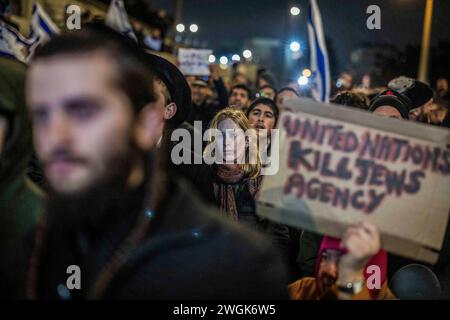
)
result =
(21, 201)
(352, 268)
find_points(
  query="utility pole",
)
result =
(425, 49)
(178, 17)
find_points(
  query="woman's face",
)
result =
(233, 138)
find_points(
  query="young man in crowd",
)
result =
(442, 90)
(268, 92)
(265, 78)
(240, 97)
(203, 109)
(263, 114)
(173, 96)
(282, 94)
(174, 101)
(240, 78)
(112, 211)
(200, 92)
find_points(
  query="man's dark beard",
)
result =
(104, 202)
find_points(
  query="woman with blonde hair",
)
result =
(234, 178)
(236, 168)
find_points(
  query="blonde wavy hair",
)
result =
(251, 170)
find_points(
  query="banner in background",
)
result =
(194, 62)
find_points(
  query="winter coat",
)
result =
(189, 252)
(21, 202)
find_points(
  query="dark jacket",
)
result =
(307, 253)
(21, 202)
(442, 267)
(183, 149)
(189, 252)
(204, 177)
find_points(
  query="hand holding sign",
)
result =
(362, 242)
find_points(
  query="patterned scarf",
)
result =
(231, 182)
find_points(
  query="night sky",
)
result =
(227, 24)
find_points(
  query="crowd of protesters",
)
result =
(99, 115)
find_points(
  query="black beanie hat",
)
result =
(267, 102)
(418, 92)
(176, 83)
(392, 99)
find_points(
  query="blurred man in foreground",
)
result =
(112, 212)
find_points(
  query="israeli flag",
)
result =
(117, 18)
(42, 27)
(319, 55)
(12, 43)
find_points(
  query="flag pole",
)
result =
(425, 49)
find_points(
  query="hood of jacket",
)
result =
(17, 147)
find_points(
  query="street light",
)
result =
(306, 72)
(223, 60)
(236, 58)
(295, 46)
(193, 27)
(295, 11)
(212, 58)
(180, 27)
(247, 54)
(302, 81)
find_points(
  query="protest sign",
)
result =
(340, 165)
(194, 62)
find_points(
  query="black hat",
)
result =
(267, 102)
(176, 83)
(393, 99)
(418, 92)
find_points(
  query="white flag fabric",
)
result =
(319, 55)
(12, 43)
(117, 18)
(42, 27)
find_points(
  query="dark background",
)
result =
(226, 26)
